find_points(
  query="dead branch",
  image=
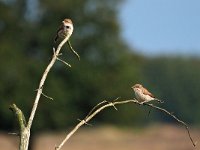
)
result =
(105, 104)
(25, 128)
(176, 118)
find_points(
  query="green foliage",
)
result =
(107, 68)
(104, 71)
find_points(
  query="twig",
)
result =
(103, 102)
(71, 48)
(12, 133)
(94, 112)
(59, 54)
(47, 96)
(63, 62)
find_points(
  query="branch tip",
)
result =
(64, 62)
(48, 97)
(19, 115)
(176, 118)
(71, 48)
(13, 133)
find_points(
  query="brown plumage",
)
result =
(142, 94)
(145, 91)
(65, 28)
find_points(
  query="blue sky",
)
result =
(166, 27)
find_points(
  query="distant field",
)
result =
(162, 137)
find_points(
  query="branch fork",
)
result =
(105, 104)
(25, 128)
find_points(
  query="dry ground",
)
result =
(157, 137)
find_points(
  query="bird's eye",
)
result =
(67, 27)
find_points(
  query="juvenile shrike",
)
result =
(143, 95)
(65, 28)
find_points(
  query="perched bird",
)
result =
(65, 28)
(143, 95)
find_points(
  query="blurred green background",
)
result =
(107, 70)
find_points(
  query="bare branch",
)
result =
(92, 113)
(25, 128)
(113, 105)
(70, 134)
(95, 110)
(24, 131)
(44, 76)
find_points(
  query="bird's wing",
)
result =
(60, 28)
(146, 92)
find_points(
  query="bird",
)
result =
(143, 95)
(65, 28)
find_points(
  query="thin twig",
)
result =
(64, 62)
(47, 96)
(95, 107)
(94, 112)
(13, 133)
(59, 54)
(71, 48)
